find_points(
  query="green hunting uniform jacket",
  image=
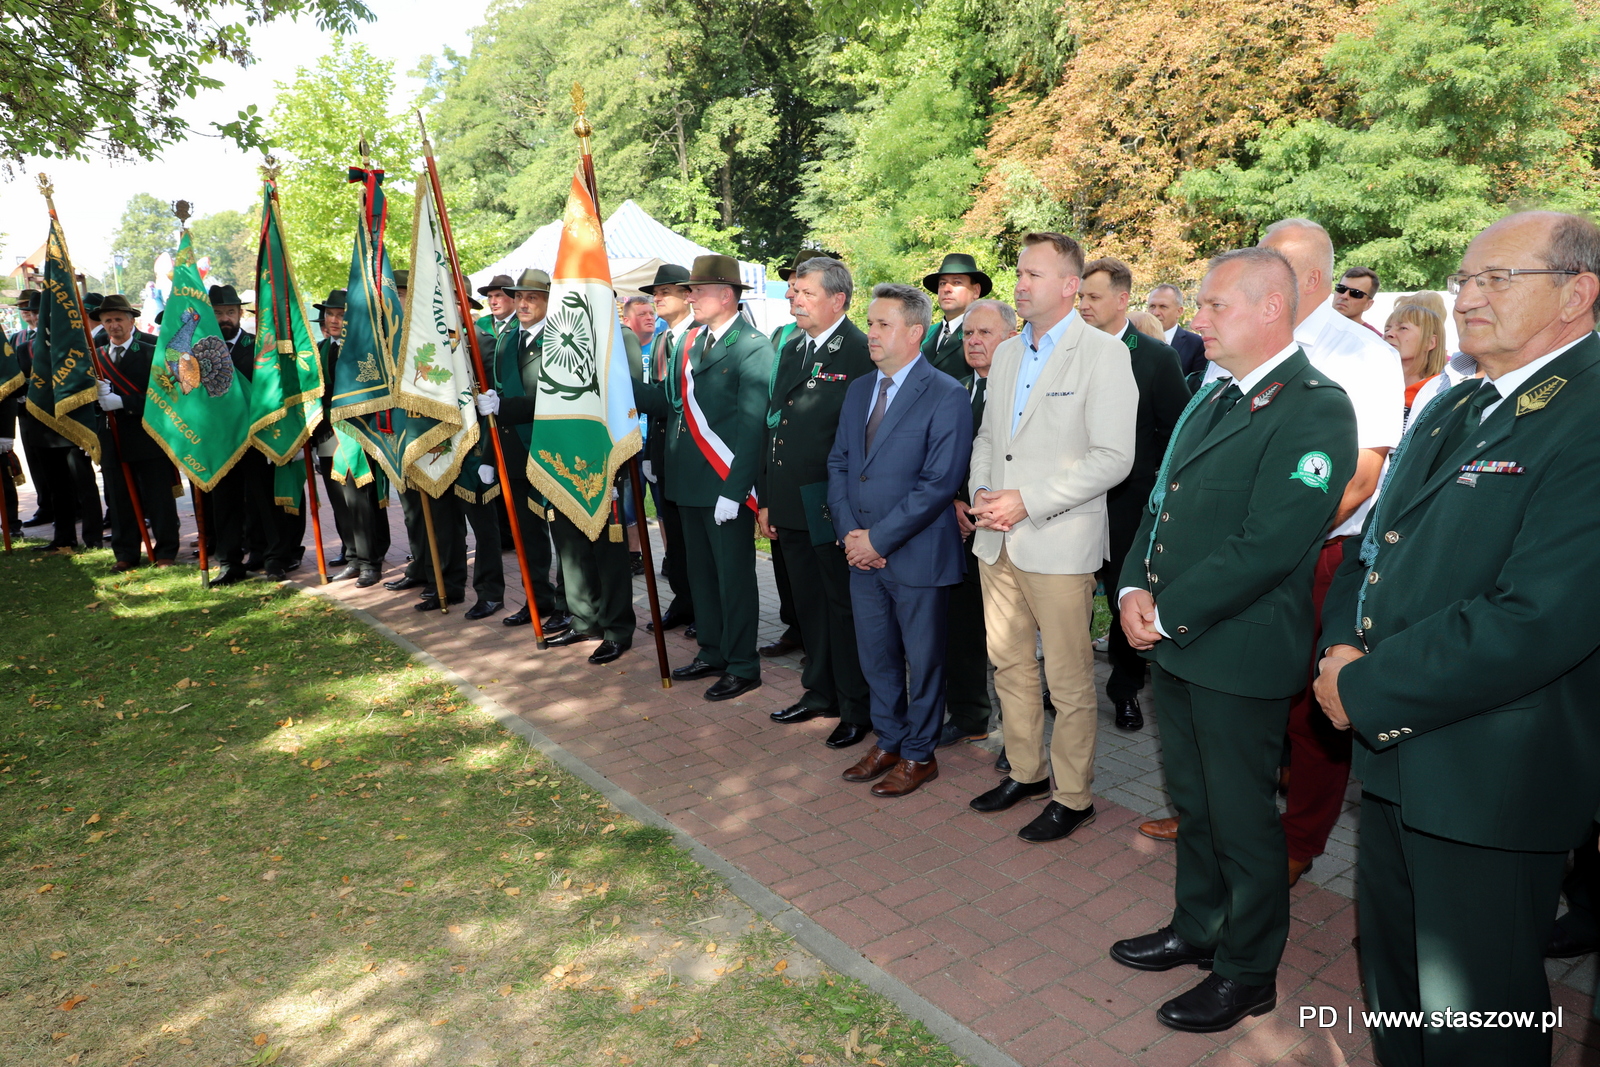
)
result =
(950, 357)
(1475, 709)
(730, 381)
(1248, 502)
(806, 403)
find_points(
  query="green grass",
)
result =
(245, 830)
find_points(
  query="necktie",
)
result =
(1471, 419)
(116, 354)
(1224, 404)
(978, 388)
(877, 410)
(944, 335)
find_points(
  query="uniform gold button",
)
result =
(1435, 432)
(791, 403)
(1312, 381)
(1159, 548)
(785, 422)
(1383, 737)
(780, 440)
(1174, 488)
(1391, 537)
(1154, 578)
(1405, 729)
(1165, 516)
(1183, 629)
(1366, 623)
(1372, 579)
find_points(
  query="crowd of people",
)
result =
(1326, 546)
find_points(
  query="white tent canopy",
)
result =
(636, 245)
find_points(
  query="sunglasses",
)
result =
(1345, 290)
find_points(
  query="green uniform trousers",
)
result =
(820, 585)
(722, 578)
(1222, 753)
(551, 598)
(966, 659)
(451, 517)
(1451, 925)
(598, 579)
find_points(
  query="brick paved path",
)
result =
(1008, 938)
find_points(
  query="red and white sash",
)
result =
(714, 448)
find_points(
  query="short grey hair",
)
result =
(1575, 246)
(1306, 224)
(636, 299)
(1264, 269)
(916, 308)
(1173, 289)
(1007, 313)
(835, 276)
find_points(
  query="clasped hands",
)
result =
(998, 509)
(1326, 687)
(859, 553)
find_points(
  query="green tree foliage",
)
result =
(316, 124)
(231, 239)
(84, 79)
(146, 230)
(1463, 112)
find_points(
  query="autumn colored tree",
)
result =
(1153, 90)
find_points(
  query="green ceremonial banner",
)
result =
(286, 392)
(367, 371)
(196, 407)
(61, 389)
(289, 486)
(10, 369)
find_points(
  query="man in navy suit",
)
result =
(899, 457)
(1166, 304)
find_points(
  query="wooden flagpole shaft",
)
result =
(582, 129)
(200, 531)
(433, 550)
(469, 327)
(99, 373)
(316, 512)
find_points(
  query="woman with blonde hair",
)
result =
(1417, 333)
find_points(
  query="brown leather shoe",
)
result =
(1160, 829)
(1296, 869)
(875, 764)
(907, 777)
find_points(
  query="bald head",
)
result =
(1309, 250)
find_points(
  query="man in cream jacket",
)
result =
(1058, 431)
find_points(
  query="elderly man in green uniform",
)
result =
(513, 363)
(1464, 652)
(1217, 591)
(717, 405)
(815, 368)
(955, 285)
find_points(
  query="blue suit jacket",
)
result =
(903, 490)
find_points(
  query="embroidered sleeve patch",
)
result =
(1314, 469)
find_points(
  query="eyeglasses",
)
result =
(1345, 290)
(1495, 280)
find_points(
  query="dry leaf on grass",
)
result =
(58, 955)
(260, 1039)
(72, 1002)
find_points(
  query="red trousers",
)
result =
(1319, 755)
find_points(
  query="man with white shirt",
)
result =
(1166, 302)
(955, 285)
(815, 368)
(1217, 592)
(1058, 432)
(1461, 653)
(1370, 373)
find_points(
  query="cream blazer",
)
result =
(1074, 441)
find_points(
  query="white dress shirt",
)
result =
(821, 339)
(1169, 335)
(1512, 381)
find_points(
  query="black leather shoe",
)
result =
(39, 520)
(339, 561)
(694, 669)
(731, 685)
(483, 609)
(1055, 822)
(352, 570)
(954, 732)
(1160, 951)
(255, 566)
(846, 734)
(1129, 717)
(1002, 764)
(402, 583)
(230, 576)
(800, 713)
(690, 632)
(1009, 793)
(608, 651)
(570, 637)
(1563, 946)
(670, 621)
(431, 603)
(368, 579)
(1217, 1004)
(277, 574)
(522, 617)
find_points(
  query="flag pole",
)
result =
(469, 327)
(48, 190)
(583, 130)
(180, 211)
(280, 318)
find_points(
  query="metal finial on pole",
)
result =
(269, 168)
(364, 147)
(581, 127)
(182, 210)
(46, 186)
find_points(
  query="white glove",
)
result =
(6, 444)
(726, 509)
(649, 475)
(488, 403)
(102, 388)
(485, 472)
(110, 401)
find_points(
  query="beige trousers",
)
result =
(1016, 604)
